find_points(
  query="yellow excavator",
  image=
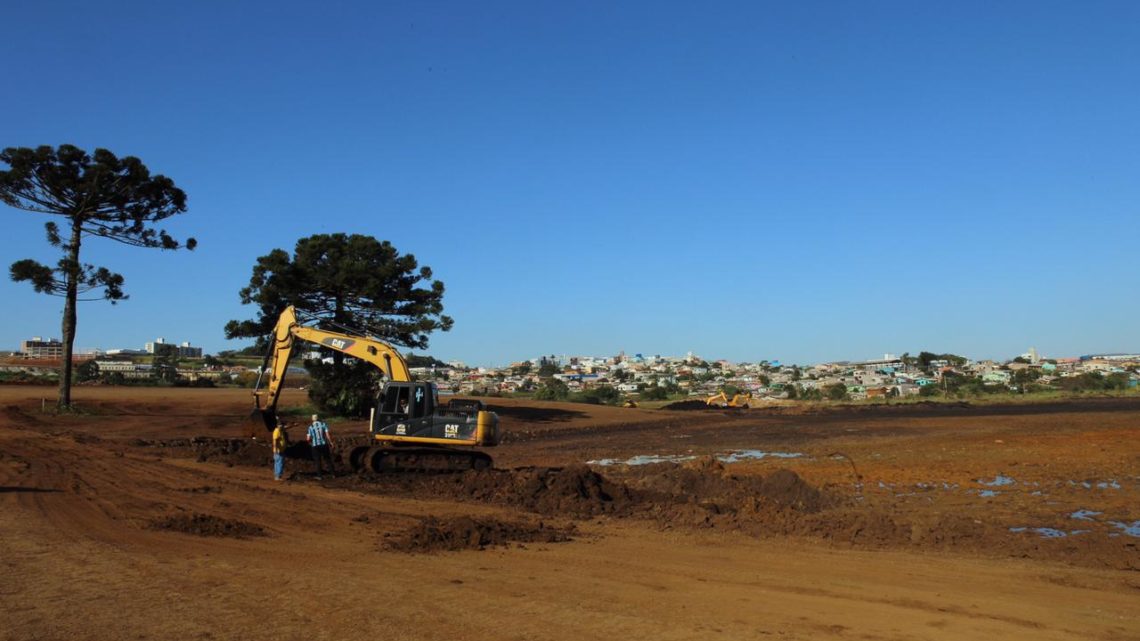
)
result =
(738, 400)
(409, 429)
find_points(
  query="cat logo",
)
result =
(339, 343)
(451, 430)
(401, 429)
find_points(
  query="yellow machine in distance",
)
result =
(738, 400)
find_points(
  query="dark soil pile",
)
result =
(580, 492)
(207, 525)
(233, 451)
(572, 491)
(687, 405)
(706, 481)
(85, 439)
(703, 494)
(467, 533)
(16, 416)
(786, 489)
(230, 451)
(201, 489)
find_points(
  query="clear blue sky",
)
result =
(802, 181)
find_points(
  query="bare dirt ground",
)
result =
(141, 519)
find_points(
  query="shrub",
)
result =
(836, 392)
(601, 395)
(552, 390)
(926, 391)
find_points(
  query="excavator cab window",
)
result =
(423, 400)
(404, 401)
(396, 399)
(418, 403)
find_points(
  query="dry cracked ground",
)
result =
(142, 517)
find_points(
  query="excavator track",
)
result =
(416, 459)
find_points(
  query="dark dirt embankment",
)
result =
(687, 406)
(207, 525)
(239, 451)
(574, 491)
(705, 495)
(470, 533)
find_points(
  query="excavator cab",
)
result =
(408, 412)
(405, 408)
(406, 401)
(409, 427)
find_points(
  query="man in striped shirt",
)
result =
(321, 443)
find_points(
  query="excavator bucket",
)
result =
(260, 424)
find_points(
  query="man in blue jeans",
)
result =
(320, 441)
(280, 442)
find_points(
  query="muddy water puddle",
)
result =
(993, 492)
(1131, 529)
(999, 481)
(1048, 532)
(1110, 484)
(1128, 529)
(734, 456)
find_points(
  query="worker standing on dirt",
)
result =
(280, 442)
(321, 443)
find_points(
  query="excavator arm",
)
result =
(285, 335)
(718, 400)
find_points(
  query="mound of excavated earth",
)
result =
(207, 525)
(470, 533)
(687, 405)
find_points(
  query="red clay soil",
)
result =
(937, 522)
(762, 501)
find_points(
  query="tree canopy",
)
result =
(836, 392)
(926, 358)
(96, 194)
(424, 360)
(346, 281)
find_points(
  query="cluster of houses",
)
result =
(889, 376)
(690, 374)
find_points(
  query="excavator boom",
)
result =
(285, 335)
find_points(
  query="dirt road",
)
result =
(116, 525)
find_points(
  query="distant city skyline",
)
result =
(803, 181)
(1028, 352)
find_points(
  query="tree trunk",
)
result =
(69, 313)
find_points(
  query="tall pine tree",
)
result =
(95, 194)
